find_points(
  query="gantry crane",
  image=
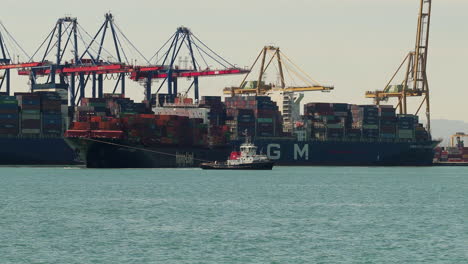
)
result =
(415, 81)
(458, 140)
(87, 66)
(74, 73)
(259, 87)
(6, 60)
(202, 62)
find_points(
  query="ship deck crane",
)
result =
(260, 88)
(415, 83)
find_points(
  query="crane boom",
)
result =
(415, 83)
(260, 88)
(20, 65)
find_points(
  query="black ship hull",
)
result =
(36, 151)
(110, 153)
(287, 152)
(284, 152)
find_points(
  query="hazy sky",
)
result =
(353, 44)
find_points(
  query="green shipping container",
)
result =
(30, 116)
(31, 112)
(405, 133)
(370, 126)
(2, 98)
(8, 102)
(265, 120)
(328, 118)
(335, 125)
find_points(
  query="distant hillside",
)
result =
(443, 128)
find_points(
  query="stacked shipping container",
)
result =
(51, 111)
(111, 114)
(217, 114)
(327, 121)
(366, 119)
(111, 105)
(335, 121)
(30, 105)
(219, 132)
(241, 121)
(38, 113)
(9, 116)
(407, 126)
(258, 115)
(388, 122)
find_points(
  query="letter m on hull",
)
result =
(301, 153)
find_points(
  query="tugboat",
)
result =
(246, 159)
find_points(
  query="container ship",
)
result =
(455, 155)
(31, 130)
(115, 132)
(181, 133)
(341, 134)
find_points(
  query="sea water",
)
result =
(288, 215)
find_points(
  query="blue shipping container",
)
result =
(9, 116)
(8, 126)
(30, 102)
(52, 121)
(51, 116)
(8, 106)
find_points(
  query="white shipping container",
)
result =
(340, 125)
(405, 133)
(189, 112)
(370, 126)
(30, 116)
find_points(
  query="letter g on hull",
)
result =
(274, 151)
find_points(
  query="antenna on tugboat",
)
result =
(247, 138)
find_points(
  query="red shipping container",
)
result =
(9, 121)
(107, 134)
(79, 125)
(9, 131)
(9, 111)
